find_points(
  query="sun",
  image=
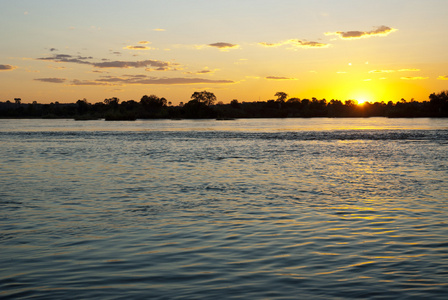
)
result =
(361, 101)
(362, 95)
(362, 98)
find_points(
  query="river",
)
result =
(315, 208)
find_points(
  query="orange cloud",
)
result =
(143, 79)
(296, 44)
(382, 71)
(224, 46)
(279, 78)
(138, 48)
(7, 67)
(414, 78)
(391, 71)
(379, 31)
(65, 58)
(205, 71)
(409, 70)
(443, 77)
(51, 80)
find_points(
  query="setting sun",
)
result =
(362, 100)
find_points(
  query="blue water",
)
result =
(249, 209)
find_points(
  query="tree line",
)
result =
(203, 105)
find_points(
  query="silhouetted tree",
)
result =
(439, 103)
(83, 106)
(112, 101)
(195, 109)
(205, 97)
(281, 96)
(153, 102)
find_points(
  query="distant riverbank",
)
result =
(202, 106)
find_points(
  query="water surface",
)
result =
(250, 209)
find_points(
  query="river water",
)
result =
(248, 209)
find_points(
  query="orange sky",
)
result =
(246, 50)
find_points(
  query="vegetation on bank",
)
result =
(203, 106)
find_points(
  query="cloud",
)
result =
(7, 67)
(279, 78)
(144, 42)
(158, 65)
(51, 80)
(67, 58)
(443, 77)
(391, 71)
(57, 67)
(158, 29)
(382, 71)
(296, 44)
(53, 49)
(138, 48)
(379, 31)
(87, 82)
(205, 71)
(146, 80)
(224, 46)
(409, 70)
(414, 78)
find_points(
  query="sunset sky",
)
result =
(248, 50)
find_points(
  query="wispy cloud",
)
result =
(443, 77)
(51, 80)
(158, 29)
(138, 47)
(294, 43)
(144, 42)
(7, 67)
(147, 80)
(409, 70)
(135, 79)
(205, 71)
(159, 65)
(381, 71)
(279, 78)
(57, 67)
(224, 46)
(156, 64)
(67, 58)
(378, 31)
(414, 78)
(391, 71)
(88, 82)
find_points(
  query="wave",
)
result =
(350, 135)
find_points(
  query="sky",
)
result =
(381, 50)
